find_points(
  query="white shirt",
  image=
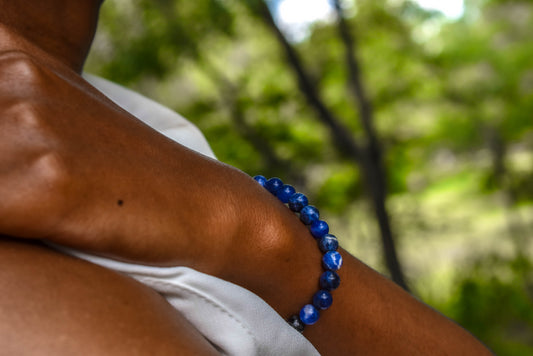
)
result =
(234, 320)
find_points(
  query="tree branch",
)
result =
(340, 133)
(372, 155)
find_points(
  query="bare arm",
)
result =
(68, 156)
(54, 304)
(370, 314)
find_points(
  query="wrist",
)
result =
(281, 260)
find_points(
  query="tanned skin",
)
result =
(53, 304)
(79, 171)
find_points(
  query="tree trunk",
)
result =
(373, 162)
(368, 159)
(518, 233)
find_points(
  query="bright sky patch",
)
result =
(450, 8)
(295, 16)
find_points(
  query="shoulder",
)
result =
(56, 304)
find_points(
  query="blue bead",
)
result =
(322, 299)
(318, 229)
(309, 314)
(297, 202)
(328, 243)
(332, 260)
(329, 280)
(309, 214)
(261, 180)
(273, 185)
(285, 193)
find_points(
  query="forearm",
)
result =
(373, 316)
(370, 314)
(216, 219)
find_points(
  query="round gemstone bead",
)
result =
(309, 314)
(327, 243)
(322, 299)
(329, 280)
(273, 185)
(309, 214)
(296, 323)
(332, 260)
(297, 201)
(318, 229)
(261, 180)
(285, 193)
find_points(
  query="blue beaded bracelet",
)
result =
(327, 243)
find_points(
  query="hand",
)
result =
(78, 170)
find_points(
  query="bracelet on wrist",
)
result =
(327, 243)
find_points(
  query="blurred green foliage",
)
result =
(453, 103)
(494, 301)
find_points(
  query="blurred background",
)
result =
(408, 123)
